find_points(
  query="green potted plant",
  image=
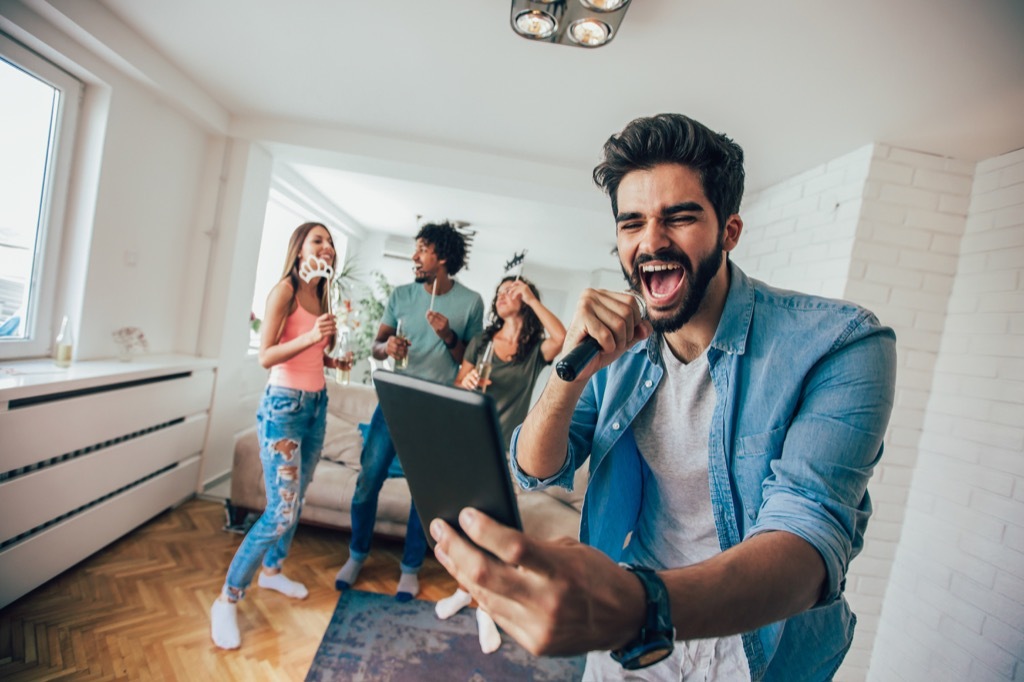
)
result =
(359, 307)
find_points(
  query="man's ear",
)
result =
(732, 231)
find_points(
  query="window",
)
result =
(37, 124)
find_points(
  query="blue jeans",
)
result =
(378, 453)
(290, 425)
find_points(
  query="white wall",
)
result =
(135, 191)
(914, 209)
(879, 226)
(955, 606)
(164, 221)
(224, 331)
(799, 234)
(143, 223)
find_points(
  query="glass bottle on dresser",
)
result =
(64, 344)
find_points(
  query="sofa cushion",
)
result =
(347, 407)
(353, 403)
(343, 441)
(332, 486)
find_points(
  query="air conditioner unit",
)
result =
(398, 247)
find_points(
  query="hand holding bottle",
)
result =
(483, 368)
(398, 347)
(343, 359)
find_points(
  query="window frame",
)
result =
(44, 280)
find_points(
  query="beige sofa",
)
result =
(546, 514)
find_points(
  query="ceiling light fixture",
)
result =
(583, 23)
(589, 32)
(535, 24)
(603, 5)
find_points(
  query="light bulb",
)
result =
(603, 5)
(590, 32)
(535, 24)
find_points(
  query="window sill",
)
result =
(28, 378)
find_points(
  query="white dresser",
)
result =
(90, 452)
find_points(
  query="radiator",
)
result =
(80, 468)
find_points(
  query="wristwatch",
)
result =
(657, 636)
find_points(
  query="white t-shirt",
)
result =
(677, 524)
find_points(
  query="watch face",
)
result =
(653, 656)
(643, 655)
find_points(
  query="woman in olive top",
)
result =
(520, 352)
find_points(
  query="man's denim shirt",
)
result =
(804, 389)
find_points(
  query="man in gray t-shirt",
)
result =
(438, 316)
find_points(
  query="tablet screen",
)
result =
(449, 442)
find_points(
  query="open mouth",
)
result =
(661, 281)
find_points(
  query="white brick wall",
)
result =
(902, 267)
(800, 233)
(883, 227)
(954, 609)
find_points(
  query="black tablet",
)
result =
(449, 442)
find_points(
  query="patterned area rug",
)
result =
(373, 638)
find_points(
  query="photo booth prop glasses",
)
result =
(516, 262)
(314, 267)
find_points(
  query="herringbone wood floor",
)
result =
(140, 608)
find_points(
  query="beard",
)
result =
(697, 281)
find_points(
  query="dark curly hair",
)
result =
(532, 331)
(448, 243)
(674, 138)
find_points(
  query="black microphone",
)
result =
(569, 367)
(579, 357)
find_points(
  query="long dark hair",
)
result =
(532, 331)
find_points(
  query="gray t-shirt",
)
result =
(511, 383)
(677, 524)
(428, 356)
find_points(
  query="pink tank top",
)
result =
(305, 371)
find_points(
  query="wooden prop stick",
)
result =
(314, 267)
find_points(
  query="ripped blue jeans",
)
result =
(290, 425)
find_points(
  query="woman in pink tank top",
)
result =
(290, 422)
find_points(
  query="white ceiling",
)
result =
(439, 109)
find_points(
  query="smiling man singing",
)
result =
(731, 436)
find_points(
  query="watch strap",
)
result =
(656, 639)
